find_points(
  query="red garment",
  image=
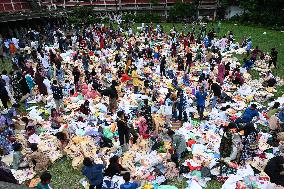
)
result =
(125, 78)
(198, 168)
(190, 143)
(91, 53)
(102, 43)
(185, 43)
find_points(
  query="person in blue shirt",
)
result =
(249, 46)
(94, 173)
(200, 101)
(128, 184)
(281, 115)
(206, 41)
(248, 114)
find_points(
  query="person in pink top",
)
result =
(221, 73)
(142, 127)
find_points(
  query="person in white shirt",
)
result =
(6, 78)
(7, 43)
(16, 42)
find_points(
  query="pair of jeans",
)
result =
(200, 110)
(214, 101)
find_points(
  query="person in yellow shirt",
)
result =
(135, 79)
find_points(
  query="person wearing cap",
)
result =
(248, 114)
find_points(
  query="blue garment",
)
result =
(281, 116)
(214, 101)
(206, 42)
(94, 173)
(248, 64)
(249, 114)
(129, 185)
(249, 46)
(156, 55)
(200, 98)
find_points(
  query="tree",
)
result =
(181, 11)
(266, 12)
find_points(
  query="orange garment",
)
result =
(12, 48)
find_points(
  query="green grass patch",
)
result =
(64, 176)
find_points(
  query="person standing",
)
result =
(274, 57)
(4, 97)
(221, 73)
(76, 74)
(123, 130)
(112, 93)
(249, 46)
(200, 101)
(135, 79)
(216, 90)
(57, 92)
(163, 67)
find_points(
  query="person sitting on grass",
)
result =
(63, 138)
(114, 167)
(94, 173)
(18, 158)
(45, 179)
(128, 184)
(38, 159)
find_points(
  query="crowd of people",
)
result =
(181, 75)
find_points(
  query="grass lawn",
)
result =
(64, 176)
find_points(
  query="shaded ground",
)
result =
(5, 185)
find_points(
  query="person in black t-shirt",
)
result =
(123, 130)
(57, 92)
(274, 57)
(216, 90)
(188, 61)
